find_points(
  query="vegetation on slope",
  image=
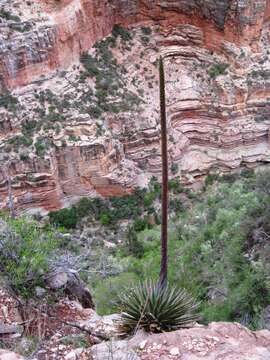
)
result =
(218, 251)
(218, 244)
(26, 249)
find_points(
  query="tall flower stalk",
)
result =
(157, 307)
(164, 154)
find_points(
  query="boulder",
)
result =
(116, 350)
(266, 318)
(69, 280)
(102, 326)
(6, 329)
(8, 355)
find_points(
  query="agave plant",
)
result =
(155, 309)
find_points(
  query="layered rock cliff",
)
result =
(77, 124)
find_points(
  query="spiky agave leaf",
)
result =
(155, 309)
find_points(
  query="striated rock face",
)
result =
(61, 30)
(71, 129)
(224, 341)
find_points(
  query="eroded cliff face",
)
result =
(60, 30)
(73, 128)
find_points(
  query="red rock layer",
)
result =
(77, 24)
(220, 122)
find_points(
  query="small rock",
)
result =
(58, 280)
(174, 351)
(71, 356)
(78, 351)
(142, 344)
(40, 292)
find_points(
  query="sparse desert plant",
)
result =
(9, 16)
(90, 64)
(146, 30)
(155, 309)
(8, 101)
(122, 32)
(40, 147)
(217, 69)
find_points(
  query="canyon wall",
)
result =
(65, 29)
(58, 140)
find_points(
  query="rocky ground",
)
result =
(46, 336)
(61, 341)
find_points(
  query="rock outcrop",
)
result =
(8, 355)
(71, 129)
(66, 330)
(224, 341)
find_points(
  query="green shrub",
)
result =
(67, 218)
(155, 187)
(122, 32)
(140, 224)
(90, 64)
(105, 219)
(84, 207)
(263, 182)
(145, 40)
(75, 340)
(217, 69)
(175, 186)
(28, 127)
(211, 178)
(247, 173)
(219, 245)
(146, 30)
(149, 198)
(230, 178)
(155, 309)
(25, 253)
(108, 78)
(174, 168)
(40, 147)
(24, 156)
(21, 140)
(261, 117)
(105, 291)
(263, 73)
(94, 111)
(8, 16)
(21, 27)
(8, 101)
(133, 246)
(72, 137)
(227, 177)
(176, 205)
